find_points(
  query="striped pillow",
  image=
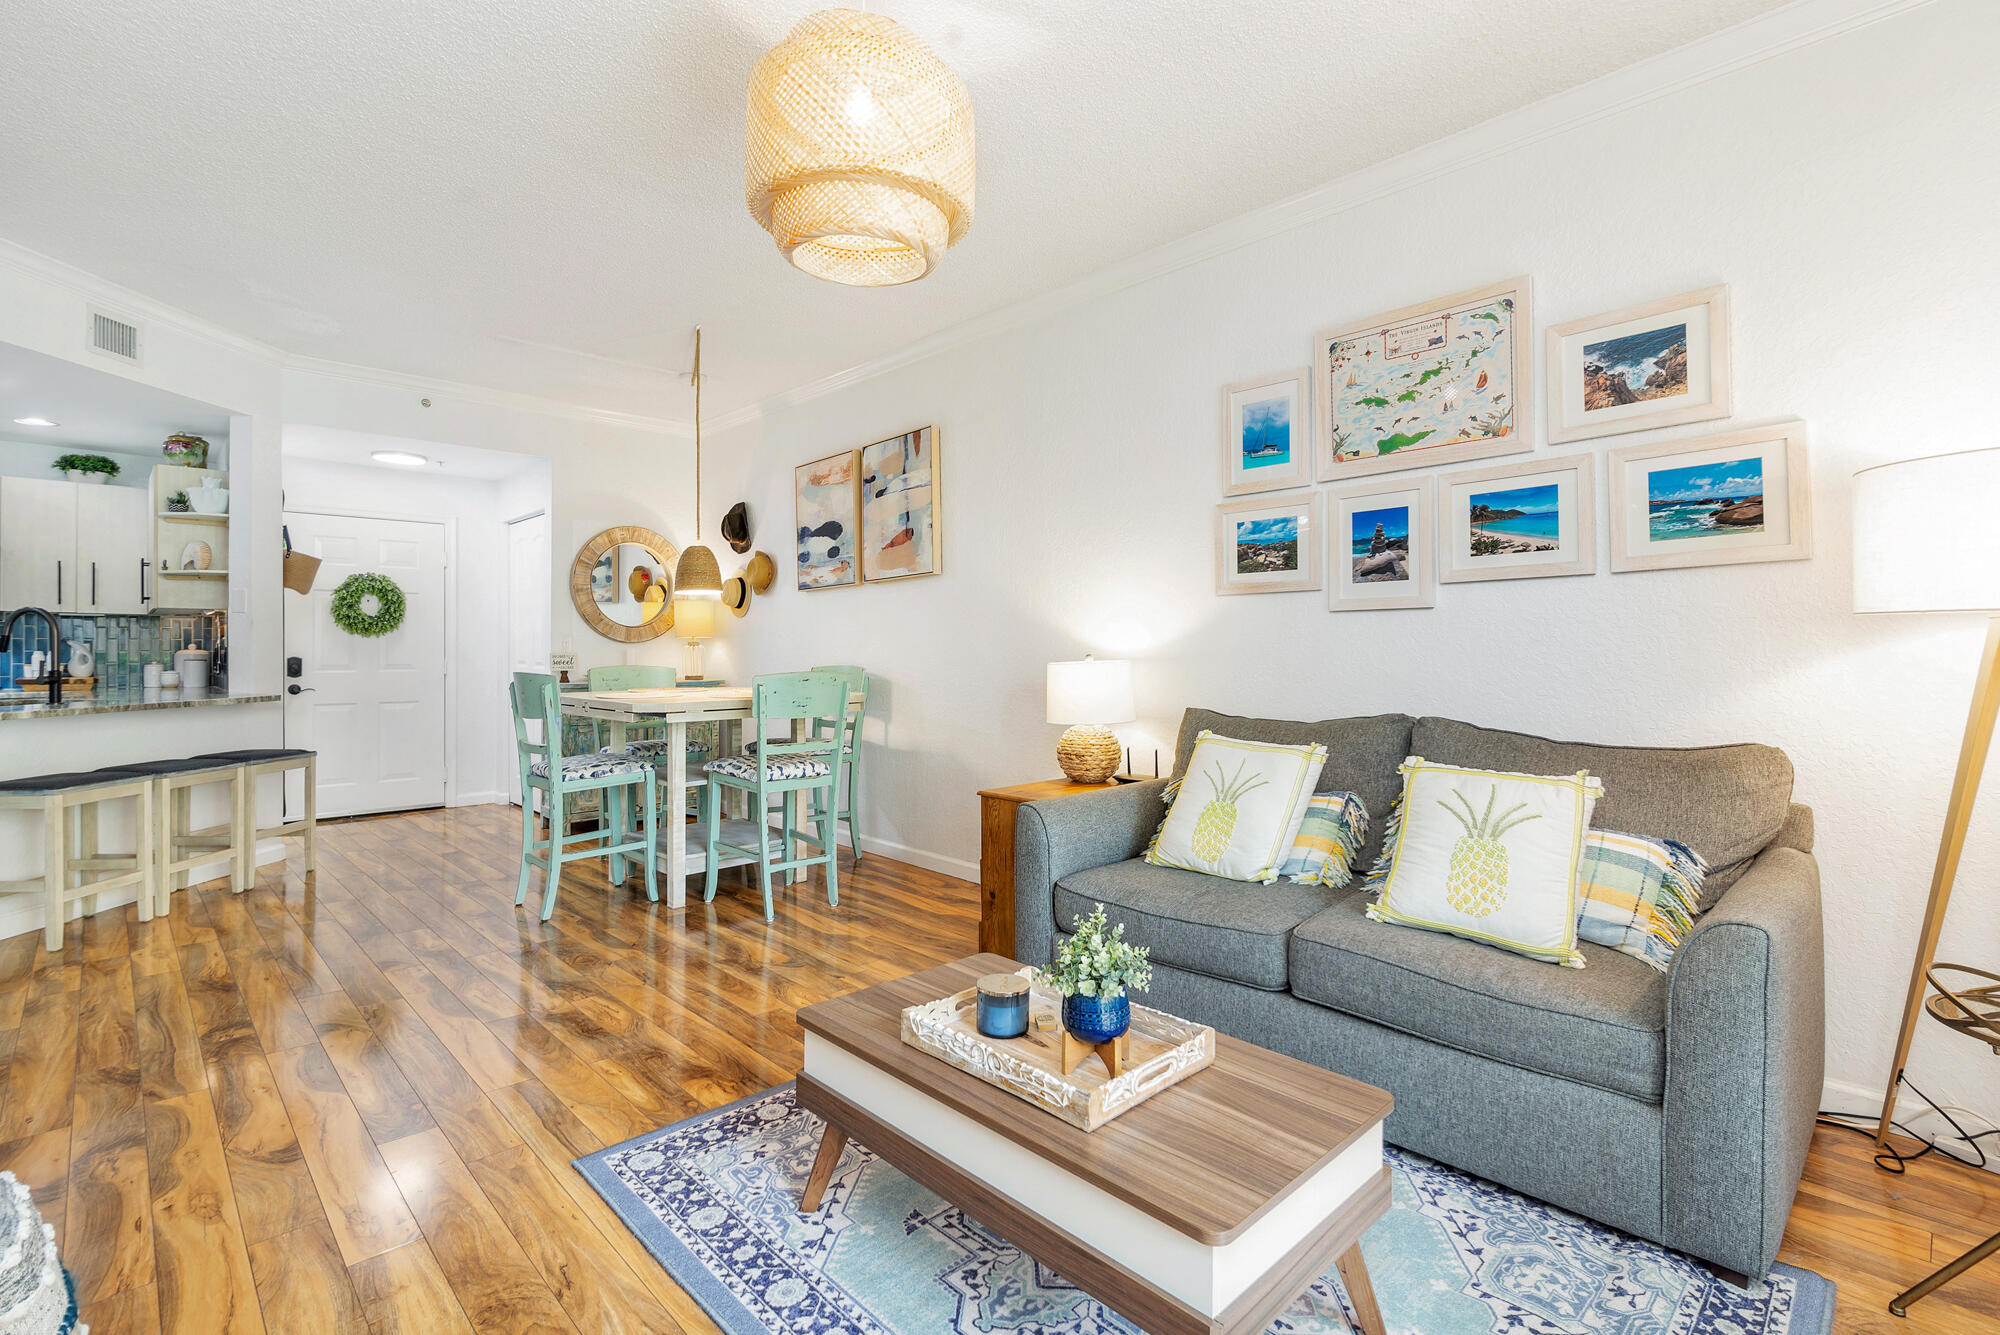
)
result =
(1638, 895)
(1335, 827)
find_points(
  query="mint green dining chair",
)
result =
(850, 746)
(618, 780)
(780, 767)
(626, 677)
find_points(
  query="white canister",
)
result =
(149, 676)
(192, 665)
(170, 681)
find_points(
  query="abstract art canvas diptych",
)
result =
(1526, 520)
(1441, 382)
(1729, 499)
(826, 507)
(1268, 544)
(900, 532)
(1664, 363)
(1266, 427)
(1380, 546)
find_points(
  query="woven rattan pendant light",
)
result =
(697, 575)
(858, 156)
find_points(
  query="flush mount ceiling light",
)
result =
(858, 153)
(697, 575)
(35, 421)
(400, 458)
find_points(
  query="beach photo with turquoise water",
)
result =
(1702, 500)
(1267, 546)
(1267, 432)
(1515, 520)
(1381, 545)
(1651, 364)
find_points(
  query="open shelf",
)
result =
(194, 574)
(190, 517)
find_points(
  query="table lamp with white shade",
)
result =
(694, 621)
(1925, 541)
(1090, 695)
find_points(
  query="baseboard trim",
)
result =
(957, 868)
(480, 800)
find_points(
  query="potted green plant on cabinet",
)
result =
(86, 467)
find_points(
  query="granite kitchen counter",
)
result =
(35, 704)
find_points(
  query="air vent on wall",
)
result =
(114, 337)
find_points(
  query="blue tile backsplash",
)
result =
(123, 644)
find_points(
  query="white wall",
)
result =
(476, 511)
(1844, 191)
(606, 469)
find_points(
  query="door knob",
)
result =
(296, 689)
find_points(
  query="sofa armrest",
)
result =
(1746, 1045)
(1068, 834)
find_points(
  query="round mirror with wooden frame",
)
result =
(622, 583)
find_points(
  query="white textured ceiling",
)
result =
(546, 196)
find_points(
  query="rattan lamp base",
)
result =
(1088, 753)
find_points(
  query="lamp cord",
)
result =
(1895, 1161)
(696, 377)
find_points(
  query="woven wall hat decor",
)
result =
(858, 156)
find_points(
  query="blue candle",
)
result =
(1003, 1005)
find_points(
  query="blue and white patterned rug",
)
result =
(715, 1198)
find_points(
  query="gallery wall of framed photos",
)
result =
(1451, 380)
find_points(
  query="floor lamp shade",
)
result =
(1924, 535)
(1089, 695)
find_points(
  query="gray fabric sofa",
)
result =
(1675, 1106)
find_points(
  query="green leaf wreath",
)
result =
(349, 614)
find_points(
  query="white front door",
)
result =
(528, 594)
(373, 707)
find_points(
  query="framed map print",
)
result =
(1661, 364)
(1268, 544)
(1438, 383)
(1525, 520)
(1266, 433)
(1714, 500)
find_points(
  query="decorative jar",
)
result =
(1097, 1019)
(1002, 1008)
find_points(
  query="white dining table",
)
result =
(675, 707)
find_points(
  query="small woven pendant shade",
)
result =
(858, 153)
(697, 575)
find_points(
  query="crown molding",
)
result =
(1800, 24)
(124, 300)
(484, 396)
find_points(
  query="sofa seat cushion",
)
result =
(1602, 1025)
(1226, 929)
(1724, 802)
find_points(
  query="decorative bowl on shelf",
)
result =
(209, 500)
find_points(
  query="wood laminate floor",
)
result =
(349, 1104)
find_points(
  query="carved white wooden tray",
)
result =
(1161, 1050)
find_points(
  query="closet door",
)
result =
(114, 529)
(38, 544)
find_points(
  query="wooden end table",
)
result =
(1203, 1211)
(998, 808)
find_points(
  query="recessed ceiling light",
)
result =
(35, 421)
(400, 458)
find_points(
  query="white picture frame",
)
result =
(1460, 368)
(1636, 344)
(1351, 586)
(1237, 543)
(1552, 492)
(1672, 502)
(1267, 438)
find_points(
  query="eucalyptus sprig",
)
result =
(1097, 963)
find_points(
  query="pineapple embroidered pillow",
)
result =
(1239, 808)
(1489, 856)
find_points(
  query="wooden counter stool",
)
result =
(56, 796)
(252, 766)
(177, 846)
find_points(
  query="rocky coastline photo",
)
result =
(1381, 542)
(1636, 367)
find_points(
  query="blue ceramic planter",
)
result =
(1096, 1020)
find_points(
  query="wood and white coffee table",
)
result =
(1203, 1211)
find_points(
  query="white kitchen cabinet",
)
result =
(114, 550)
(38, 544)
